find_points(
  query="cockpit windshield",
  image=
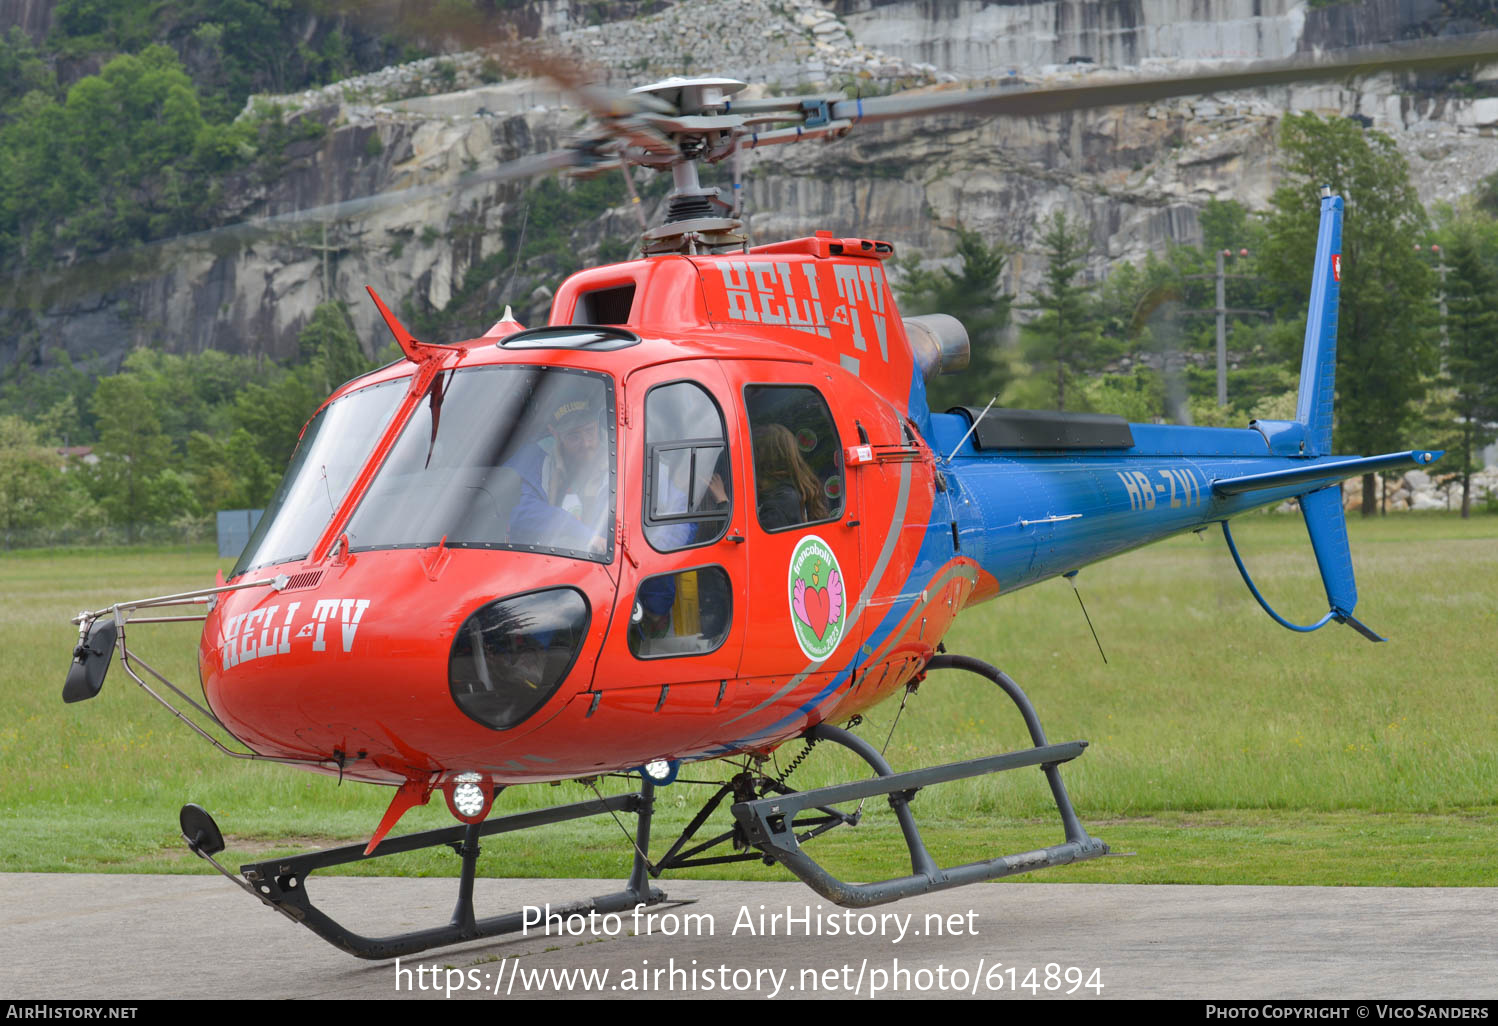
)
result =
(333, 448)
(504, 457)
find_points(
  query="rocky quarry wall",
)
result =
(1138, 176)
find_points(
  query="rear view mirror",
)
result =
(90, 662)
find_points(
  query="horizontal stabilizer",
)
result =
(1324, 473)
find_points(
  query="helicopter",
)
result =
(703, 512)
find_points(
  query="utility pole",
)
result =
(1222, 310)
(1441, 269)
(1222, 332)
(326, 249)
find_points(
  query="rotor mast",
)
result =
(678, 122)
(697, 219)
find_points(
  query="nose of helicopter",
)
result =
(412, 657)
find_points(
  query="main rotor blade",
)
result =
(1115, 90)
(623, 115)
(583, 82)
(39, 290)
(523, 167)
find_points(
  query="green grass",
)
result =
(1224, 749)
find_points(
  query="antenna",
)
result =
(976, 421)
(1071, 575)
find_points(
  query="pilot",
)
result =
(564, 497)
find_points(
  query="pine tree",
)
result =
(972, 295)
(1385, 347)
(1470, 355)
(1065, 342)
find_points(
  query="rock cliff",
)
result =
(1137, 175)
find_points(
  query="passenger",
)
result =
(661, 613)
(787, 491)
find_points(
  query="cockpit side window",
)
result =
(798, 457)
(688, 484)
(684, 612)
(335, 445)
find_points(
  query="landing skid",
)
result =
(765, 828)
(282, 883)
(766, 812)
(767, 822)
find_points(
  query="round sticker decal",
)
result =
(818, 603)
(806, 440)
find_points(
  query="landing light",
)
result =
(469, 797)
(660, 772)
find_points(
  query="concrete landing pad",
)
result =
(124, 937)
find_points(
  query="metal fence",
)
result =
(178, 532)
(231, 529)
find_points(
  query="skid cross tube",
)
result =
(768, 822)
(281, 883)
(677, 858)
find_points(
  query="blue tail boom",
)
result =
(1043, 494)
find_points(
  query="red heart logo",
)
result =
(817, 607)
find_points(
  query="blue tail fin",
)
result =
(1325, 521)
(1310, 433)
(1318, 362)
(1327, 526)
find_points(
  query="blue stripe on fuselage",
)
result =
(935, 551)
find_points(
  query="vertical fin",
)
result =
(1318, 365)
(1327, 526)
(1326, 523)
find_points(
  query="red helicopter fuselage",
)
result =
(419, 635)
